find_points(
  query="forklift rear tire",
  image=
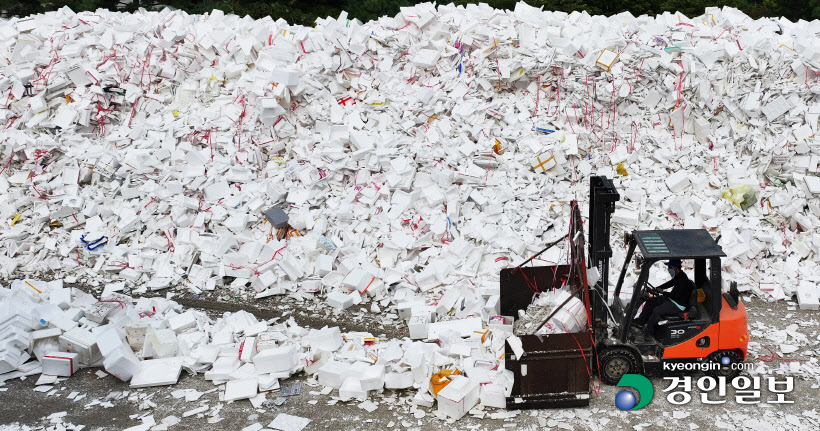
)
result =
(615, 362)
(725, 370)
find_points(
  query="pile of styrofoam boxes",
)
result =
(397, 165)
(412, 160)
(15, 338)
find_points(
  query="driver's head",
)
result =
(673, 266)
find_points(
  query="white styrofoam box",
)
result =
(287, 77)
(14, 338)
(373, 378)
(626, 217)
(426, 57)
(43, 334)
(333, 373)
(352, 388)
(493, 395)
(9, 360)
(181, 322)
(500, 324)
(108, 340)
(241, 389)
(339, 300)
(571, 317)
(807, 295)
(278, 359)
(398, 380)
(164, 342)
(135, 334)
(678, 181)
(84, 343)
(357, 279)
(222, 368)
(812, 183)
(361, 140)
(458, 397)
(63, 364)
(418, 325)
(423, 399)
(60, 297)
(324, 264)
(775, 108)
(247, 349)
(464, 327)
(606, 59)
(325, 339)
(122, 363)
(264, 281)
(544, 162)
(157, 372)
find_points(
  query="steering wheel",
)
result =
(654, 291)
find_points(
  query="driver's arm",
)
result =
(667, 285)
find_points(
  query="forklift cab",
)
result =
(705, 330)
(710, 330)
(657, 247)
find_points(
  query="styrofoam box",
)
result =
(122, 363)
(373, 378)
(458, 397)
(807, 296)
(492, 395)
(333, 373)
(277, 359)
(504, 324)
(418, 325)
(9, 360)
(63, 364)
(181, 322)
(157, 372)
(398, 380)
(80, 341)
(327, 339)
(164, 342)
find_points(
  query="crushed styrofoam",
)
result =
(570, 317)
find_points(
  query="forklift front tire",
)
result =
(725, 369)
(615, 362)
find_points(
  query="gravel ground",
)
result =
(110, 404)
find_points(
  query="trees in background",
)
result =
(306, 11)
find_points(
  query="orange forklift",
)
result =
(555, 369)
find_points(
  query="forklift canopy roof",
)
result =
(680, 244)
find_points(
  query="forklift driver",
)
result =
(667, 302)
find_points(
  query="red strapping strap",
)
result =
(368, 284)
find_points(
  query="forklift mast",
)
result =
(602, 198)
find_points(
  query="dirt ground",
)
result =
(111, 404)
